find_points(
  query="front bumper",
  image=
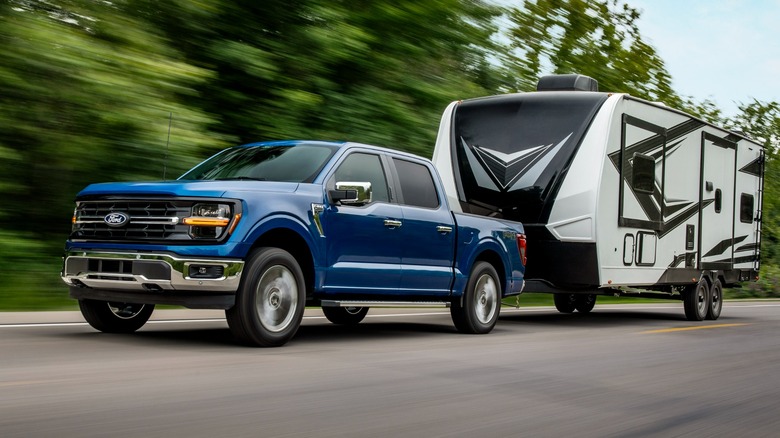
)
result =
(154, 278)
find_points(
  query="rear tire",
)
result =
(565, 303)
(716, 300)
(270, 300)
(478, 311)
(115, 317)
(345, 315)
(584, 302)
(696, 300)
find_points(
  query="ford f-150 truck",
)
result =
(264, 229)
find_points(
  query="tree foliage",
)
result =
(87, 88)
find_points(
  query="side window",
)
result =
(746, 208)
(643, 179)
(360, 167)
(417, 184)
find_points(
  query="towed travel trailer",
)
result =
(618, 195)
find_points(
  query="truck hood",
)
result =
(209, 189)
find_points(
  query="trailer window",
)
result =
(746, 208)
(643, 179)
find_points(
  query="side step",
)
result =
(347, 303)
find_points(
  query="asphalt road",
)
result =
(630, 371)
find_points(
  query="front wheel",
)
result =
(565, 303)
(345, 315)
(696, 300)
(115, 317)
(270, 300)
(477, 313)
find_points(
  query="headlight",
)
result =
(209, 221)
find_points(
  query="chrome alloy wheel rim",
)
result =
(701, 297)
(276, 298)
(125, 310)
(485, 299)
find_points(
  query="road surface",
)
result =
(621, 371)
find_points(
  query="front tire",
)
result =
(345, 315)
(716, 300)
(478, 311)
(115, 317)
(270, 300)
(696, 301)
(565, 303)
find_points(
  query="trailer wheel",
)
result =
(565, 303)
(270, 300)
(345, 315)
(696, 301)
(481, 302)
(716, 300)
(114, 317)
(584, 302)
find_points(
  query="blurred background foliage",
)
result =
(88, 89)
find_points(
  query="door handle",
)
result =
(443, 229)
(392, 223)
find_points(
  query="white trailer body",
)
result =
(615, 193)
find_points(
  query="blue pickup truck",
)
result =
(264, 229)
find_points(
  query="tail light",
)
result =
(522, 245)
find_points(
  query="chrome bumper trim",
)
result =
(175, 267)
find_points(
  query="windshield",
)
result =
(289, 163)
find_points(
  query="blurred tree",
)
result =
(378, 72)
(597, 38)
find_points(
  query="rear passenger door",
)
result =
(428, 231)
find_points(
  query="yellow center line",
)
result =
(684, 329)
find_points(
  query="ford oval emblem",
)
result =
(116, 219)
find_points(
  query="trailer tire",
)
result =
(345, 315)
(270, 300)
(478, 310)
(696, 300)
(115, 317)
(716, 300)
(565, 303)
(584, 302)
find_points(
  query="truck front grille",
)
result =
(145, 220)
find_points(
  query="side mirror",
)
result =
(351, 193)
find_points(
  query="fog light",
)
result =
(206, 271)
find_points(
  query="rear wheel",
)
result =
(477, 313)
(270, 300)
(115, 317)
(345, 315)
(716, 300)
(696, 300)
(565, 303)
(584, 302)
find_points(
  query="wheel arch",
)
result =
(294, 243)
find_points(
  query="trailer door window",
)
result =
(718, 200)
(746, 208)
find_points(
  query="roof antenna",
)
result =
(167, 142)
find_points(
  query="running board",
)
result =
(345, 303)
